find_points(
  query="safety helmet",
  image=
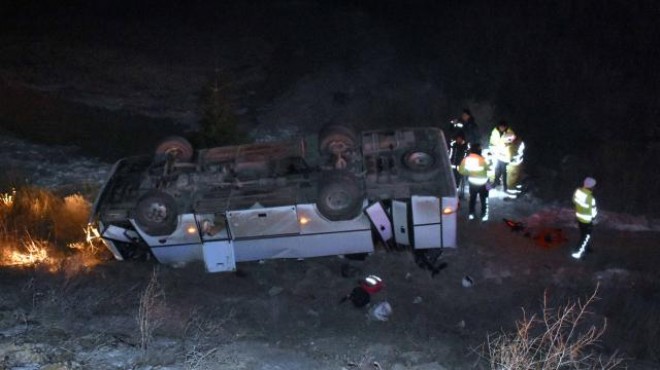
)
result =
(589, 182)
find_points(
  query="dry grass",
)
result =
(152, 304)
(633, 307)
(559, 338)
(41, 229)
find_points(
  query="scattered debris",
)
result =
(549, 237)
(515, 226)
(545, 237)
(380, 311)
(358, 296)
(430, 259)
(275, 291)
(372, 284)
(467, 281)
(417, 300)
(361, 295)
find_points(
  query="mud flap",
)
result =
(400, 219)
(219, 256)
(380, 220)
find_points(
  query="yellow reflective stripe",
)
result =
(472, 164)
(477, 180)
(586, 218)
(580, 198)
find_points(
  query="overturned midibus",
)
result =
(326, 194)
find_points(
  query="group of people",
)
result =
(470, 166)
(465, 155)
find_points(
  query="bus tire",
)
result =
(339, 196)
(156, 213)
(177, 147)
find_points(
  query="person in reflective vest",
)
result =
(500, 142)
(585, 213)
(475, 167)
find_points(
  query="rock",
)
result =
(412, 357)
(62, 366)
(467, 281)
(275, 291)
(22, 353)
(417, 300)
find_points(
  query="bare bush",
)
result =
(200, 327)
(152, 304)
(558, 339)
(198, 360)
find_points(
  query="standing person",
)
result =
(470, 128)
(585, 213)
(458, 149)
(475, 167)
(466, 127)
(500, 147)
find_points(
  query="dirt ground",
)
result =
(285, 314)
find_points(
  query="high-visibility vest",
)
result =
(585, 205)
(500, 144)
(475, 167)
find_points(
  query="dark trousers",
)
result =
(585, 236)
(500, 173)
(460, 184)
(483, 198)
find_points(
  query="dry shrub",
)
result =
(70, 219)
(39, 228)
(200, 360)
(32, 210)
(25, 252)
(150, 311)
(44, 214)
(211, 359)
(635, 322)
(200, 327)
(559, 338)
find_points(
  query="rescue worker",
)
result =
(585, 213)
(458, 149)
(475, 167)
(501, 139)
(466, 127)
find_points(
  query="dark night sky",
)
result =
(579, 79)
